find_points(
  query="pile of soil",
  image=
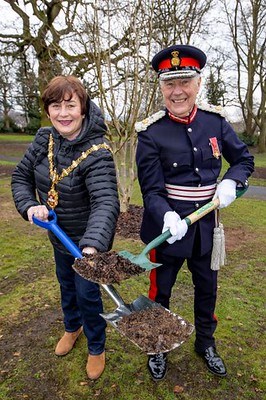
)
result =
(106, 267)
(128, 224)
(155, 330)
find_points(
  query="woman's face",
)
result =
(66, 117)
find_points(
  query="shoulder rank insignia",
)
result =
(143, 125)
(211, 108)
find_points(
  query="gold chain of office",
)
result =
(53, 195)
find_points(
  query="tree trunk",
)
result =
(262, 138)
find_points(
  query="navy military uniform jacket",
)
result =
(180, 154)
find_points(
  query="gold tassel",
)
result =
(218, 258)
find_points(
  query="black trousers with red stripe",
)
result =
(162, 280)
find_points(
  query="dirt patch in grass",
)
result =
(236, 238)
(259, 173)
(6, 170)
(24, 343)
(23, 277)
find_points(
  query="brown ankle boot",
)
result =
(67, 341)
(95, 365)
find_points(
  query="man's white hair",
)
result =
(196, 77)
(178, 74)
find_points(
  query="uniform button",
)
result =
(189, 130)
(196, 169)
(199, 185)
(197, 205)
(175, 164)
(195, 149)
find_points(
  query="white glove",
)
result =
(177, 227)
(226, 192)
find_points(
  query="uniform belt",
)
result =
(190, 193)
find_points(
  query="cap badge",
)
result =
(175, 61)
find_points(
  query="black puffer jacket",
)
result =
(88, 205)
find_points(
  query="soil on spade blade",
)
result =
(110, 267)
(106, 267)
(155, 330)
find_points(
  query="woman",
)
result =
(69, 167)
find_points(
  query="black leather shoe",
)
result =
(157, 366)
(214, 362)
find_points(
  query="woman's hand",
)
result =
(40, 212)
(89, 250)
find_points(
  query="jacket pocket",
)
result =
(172, 161)
(209, 160)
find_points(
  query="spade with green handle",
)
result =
(142, 260)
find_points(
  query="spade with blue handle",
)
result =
(123, 309)
(52, 226)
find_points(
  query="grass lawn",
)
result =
(31, 321)
(19, 138)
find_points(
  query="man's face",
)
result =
(180, 94)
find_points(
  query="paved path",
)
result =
(256, 192)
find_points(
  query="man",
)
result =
(179, 158)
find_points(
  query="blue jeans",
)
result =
(81, 303)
